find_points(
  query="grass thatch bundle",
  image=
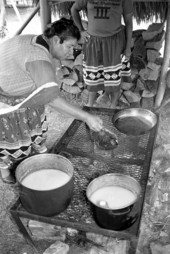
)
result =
(62, 9)
(143, 11)
(147, 11)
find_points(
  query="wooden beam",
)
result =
(28, 20)
(165, 64)
(45, 14)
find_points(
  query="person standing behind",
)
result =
(107, 41)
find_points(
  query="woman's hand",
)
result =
(95, 123)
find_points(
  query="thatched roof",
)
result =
(144, 10)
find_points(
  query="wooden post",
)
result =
(45, 14)
(166, 58)
(28, 20)
(16, 11)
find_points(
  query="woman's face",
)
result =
(64, 50)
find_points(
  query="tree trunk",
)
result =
(162, 82)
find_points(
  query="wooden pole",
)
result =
(16, 11)
(28, 20)
(166, 58)
(45, 14)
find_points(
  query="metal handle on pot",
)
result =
(120, 213)
(66, 154)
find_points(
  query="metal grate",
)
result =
(131, 157)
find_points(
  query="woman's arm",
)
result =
(64, 107)
(42, 73)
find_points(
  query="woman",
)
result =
(106, 41)
(27, 65)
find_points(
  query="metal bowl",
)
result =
(134, 121)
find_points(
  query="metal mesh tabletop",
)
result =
(132, 157)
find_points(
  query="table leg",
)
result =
(23, 230)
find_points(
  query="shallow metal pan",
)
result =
(134, 121)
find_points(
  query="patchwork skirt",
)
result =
(103, 65)
(21, 132)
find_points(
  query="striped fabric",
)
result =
(103, 68)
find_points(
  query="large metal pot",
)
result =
(134, 121)
(45, 202)
(119, 218)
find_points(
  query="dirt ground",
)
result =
(11, 240)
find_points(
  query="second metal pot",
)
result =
(109, 218)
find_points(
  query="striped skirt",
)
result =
(103, 66)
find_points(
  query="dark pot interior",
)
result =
(45, 202)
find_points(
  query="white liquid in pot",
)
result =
(115, 197)
(46, 179)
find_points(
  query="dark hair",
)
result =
(64, 29)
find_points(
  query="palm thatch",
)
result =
(62, 9)
(148, 11)
(143, 11)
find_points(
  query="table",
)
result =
(132, 157)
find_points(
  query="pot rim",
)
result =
(114, 174)
(43, 155)
(149, 117)
(135, 112)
